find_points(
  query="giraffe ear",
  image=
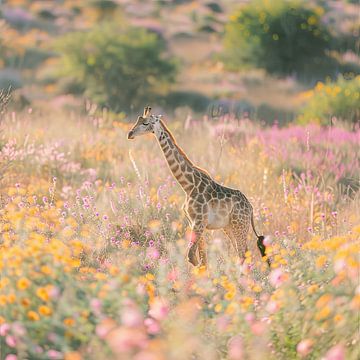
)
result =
(147, 111)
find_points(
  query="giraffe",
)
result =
(208, 205)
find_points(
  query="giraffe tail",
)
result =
(260, 240)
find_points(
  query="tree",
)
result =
(283, 37)
(116, 67)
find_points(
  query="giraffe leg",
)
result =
(196, 239)
(202, 251)
(237, 239)
(228, 232)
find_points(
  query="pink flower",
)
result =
(39, 349)
(131, 316)
(173, 275)
(272, 306)
(105, 327)
(337, 352)
(304, 347)
(250, 317)
(152, 326)
(146, 355)
(10, 341)
(267, 240)
(95, 305)
(55, 355)
(339, 265)
(140, 289)
(236, 348)
(4, 328)
(153, 253)
(159, 309)
(258, 328)
(18, 329)
(54, 292)
(11, 357)
(277, 277)
(125, 339)
(223, 322)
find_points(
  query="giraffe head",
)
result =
(144, 124)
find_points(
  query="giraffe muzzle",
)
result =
(131, 135)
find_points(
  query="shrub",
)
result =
(117, 68)
(196, 101)
(339, 99)
(3, 48)
(283, 37)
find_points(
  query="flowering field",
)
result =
(93, 243)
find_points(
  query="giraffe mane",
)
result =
(181, 151)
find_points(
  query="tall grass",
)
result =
(93, 244)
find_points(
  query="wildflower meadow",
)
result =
(97, 257)
(93, 244)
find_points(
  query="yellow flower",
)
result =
(355, 302)
(218, 308)
(23, 284)
(44, 310)
(113, 270)
(246, 301)
(100, 276)
(323, 313)
(231, 308)
(356, 229)
(323, 300)
(149, 276)
(73, 355)
(125, 244)
(199, 271)
(43, 294)
(321, 261)
(125, 278)
(46, 270)
(257, 288)
(69, 321)
(312, 288)
(2, 320)
(338, 318)
(154, 225)
(229, 295)
(85, 314)
(33, 316)
(312, 20)
(319, 86)
(12, 191)
(25, 302)
(4, 282)
(3, 300)
(11, 298)
(84, 233)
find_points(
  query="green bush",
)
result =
(338, 100)
(118, 68)
(196, 101)
(3, 49)
(283, 37)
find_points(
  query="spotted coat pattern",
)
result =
(208, 205)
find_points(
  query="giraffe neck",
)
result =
(179, 164)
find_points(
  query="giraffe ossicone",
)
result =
(208, 205)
